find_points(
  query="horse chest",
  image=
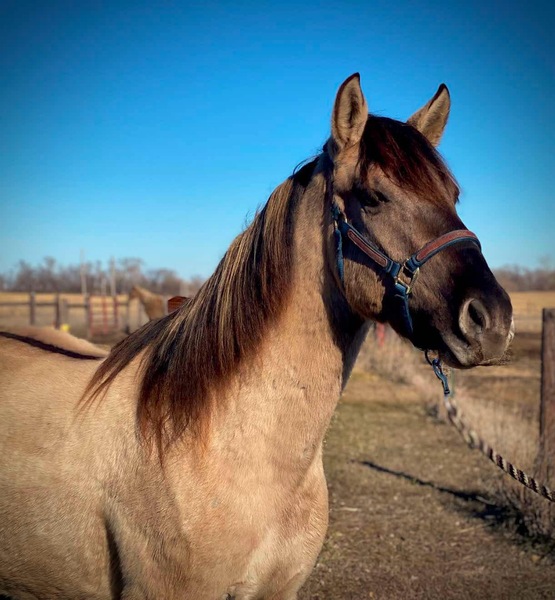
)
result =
(256, 543)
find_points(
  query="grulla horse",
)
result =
(188, 463)
(153, 304)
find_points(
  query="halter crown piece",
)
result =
(403, 274)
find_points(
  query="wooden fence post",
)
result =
(104, 315)
(547, 402)
(32, 308)
(57, 312)
(140, 314)
(128, 316)
(88, 310)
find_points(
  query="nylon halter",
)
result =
(403, 274)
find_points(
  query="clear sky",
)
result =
(156, 129)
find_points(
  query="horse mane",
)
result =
(406, 156)
(191, 354)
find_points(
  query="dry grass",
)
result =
(503, 402)
(412, 511)
(528, 307)
(514, 435)
(513, 431)
(531, 303)
(500, 403)
(397, 360)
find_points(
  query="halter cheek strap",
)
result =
(404, 274)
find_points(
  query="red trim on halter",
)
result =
(442, 240)
(360, 242)
(403, 274)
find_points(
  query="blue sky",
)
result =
(156, 129)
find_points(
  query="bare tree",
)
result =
(49, 276)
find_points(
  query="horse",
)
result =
(154, 304)
(54, 340)
(188, 463)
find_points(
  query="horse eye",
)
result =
(371, 198)
(381, 197)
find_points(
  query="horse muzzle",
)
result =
(486, 331)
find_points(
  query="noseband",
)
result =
(403, 274)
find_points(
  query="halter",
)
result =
(404, 274)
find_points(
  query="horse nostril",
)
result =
(473, 318)
(477, 314)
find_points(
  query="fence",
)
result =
(89, 315)
(527, 324)
(547, 403)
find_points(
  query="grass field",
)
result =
(527, 307)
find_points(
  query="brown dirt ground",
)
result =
(410, 511)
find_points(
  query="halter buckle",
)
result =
(409, 278)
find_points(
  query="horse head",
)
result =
(394, 199)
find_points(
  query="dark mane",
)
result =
(191, 354)
(406, 156)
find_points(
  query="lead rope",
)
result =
(475, 441)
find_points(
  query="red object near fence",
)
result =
(102, 315)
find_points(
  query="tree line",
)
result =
(521, 279)
(49, 276)
(124, 273)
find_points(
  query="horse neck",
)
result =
(318, 305)
(318, 318)
(144, 295)
(294, 383)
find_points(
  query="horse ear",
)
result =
(350, 113)
(431, 119)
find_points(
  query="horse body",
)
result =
(50, 496)
(194, 467)
(248, 512)
(154, 304)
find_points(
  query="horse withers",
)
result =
(188, 463)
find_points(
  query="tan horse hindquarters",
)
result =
(50, 508)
